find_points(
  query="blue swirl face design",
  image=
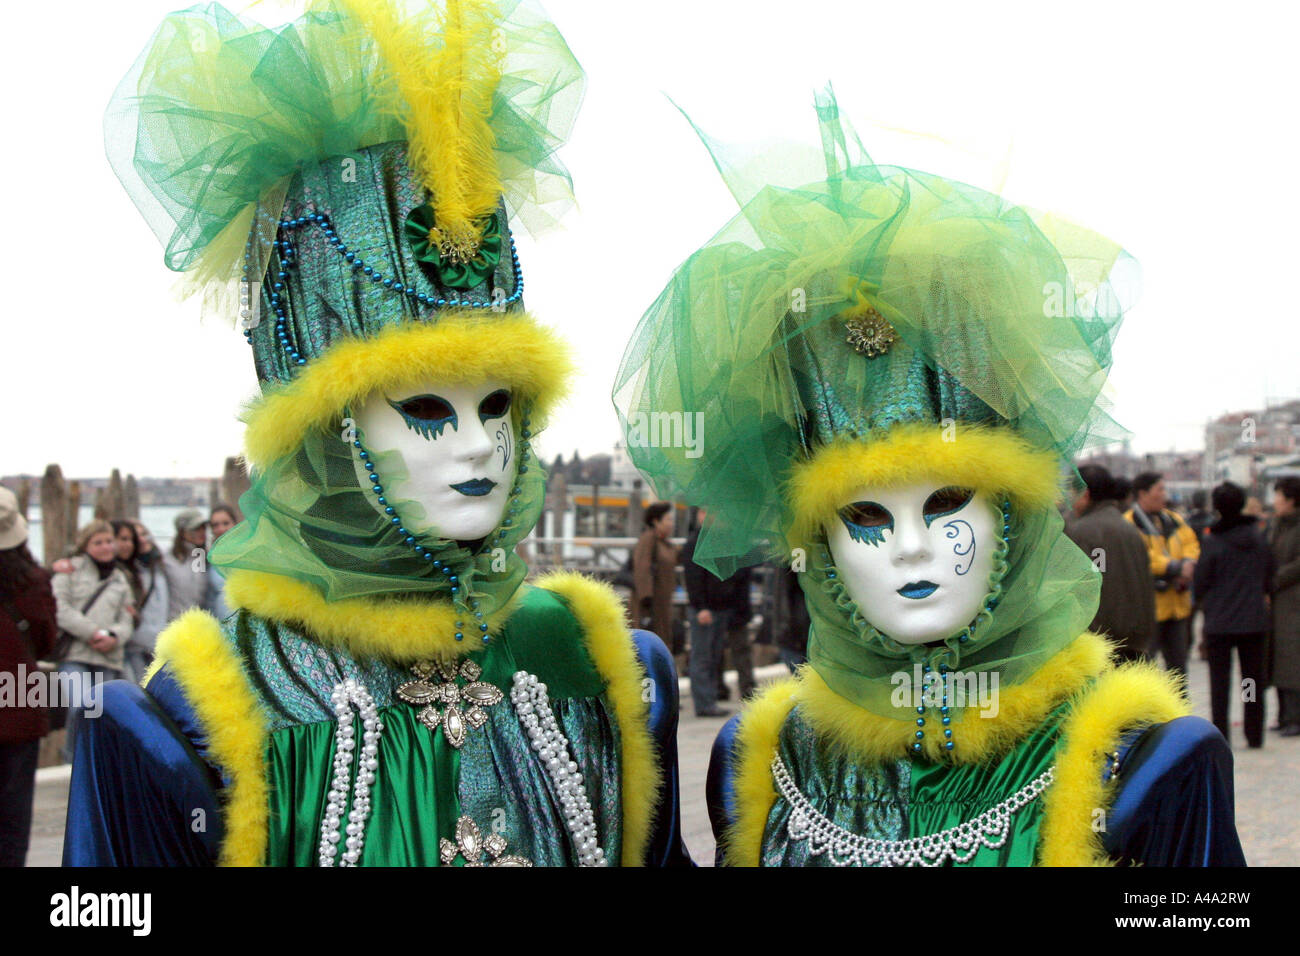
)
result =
(497, 405)
(948, 501)
(961, 532)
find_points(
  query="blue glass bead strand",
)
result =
(288, 258)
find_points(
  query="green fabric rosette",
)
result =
(419, 230)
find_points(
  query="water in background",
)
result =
(157, 518)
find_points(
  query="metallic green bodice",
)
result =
(903, 799)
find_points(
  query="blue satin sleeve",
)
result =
(720, 787)
(666, 847)
(141, 794)
(1175, 803)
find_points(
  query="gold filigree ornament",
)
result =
(435, 684)
(472, 846)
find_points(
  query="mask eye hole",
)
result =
(867, 521)
(867, 514)
(426, 408)
(495, 405)
(426, 415)
(946, 501)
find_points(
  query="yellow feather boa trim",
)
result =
(755, 792)
(461, 347)
(600, 612)
(384, 627)
(1124, 698)
(1106, 703)
(213, 680)
(992, 460)
(870, 738)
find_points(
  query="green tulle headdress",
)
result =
(849, 320)
(344, 186)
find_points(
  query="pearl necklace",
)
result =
(960, 843)
(533, 706)
(346, 694)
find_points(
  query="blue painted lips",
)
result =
(475, 487)
(918, 589)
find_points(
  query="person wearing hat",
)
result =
(889, 370)
(388, 691)
(185, 565)
(28, 628)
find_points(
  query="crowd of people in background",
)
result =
(719, 615)
(1236, 566)
(96, 614)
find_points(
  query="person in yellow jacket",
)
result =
(1173, 550)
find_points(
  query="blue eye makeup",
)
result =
(495, 405)
(426, 414)
(945, 501)
(867, 522)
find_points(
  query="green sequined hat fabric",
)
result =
(369, 197)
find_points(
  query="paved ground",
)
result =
(1266, 784)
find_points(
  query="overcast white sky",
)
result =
(1170, 128)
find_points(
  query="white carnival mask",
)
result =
(457, 444)
(916, 559)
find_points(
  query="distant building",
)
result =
(1253, 448)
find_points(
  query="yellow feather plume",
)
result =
(443, 67)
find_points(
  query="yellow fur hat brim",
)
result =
(461, 347)
(996, 461)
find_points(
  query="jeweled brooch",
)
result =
(472, 846)
(435, 683)
(870, 334)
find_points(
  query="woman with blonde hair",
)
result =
(94, 602)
